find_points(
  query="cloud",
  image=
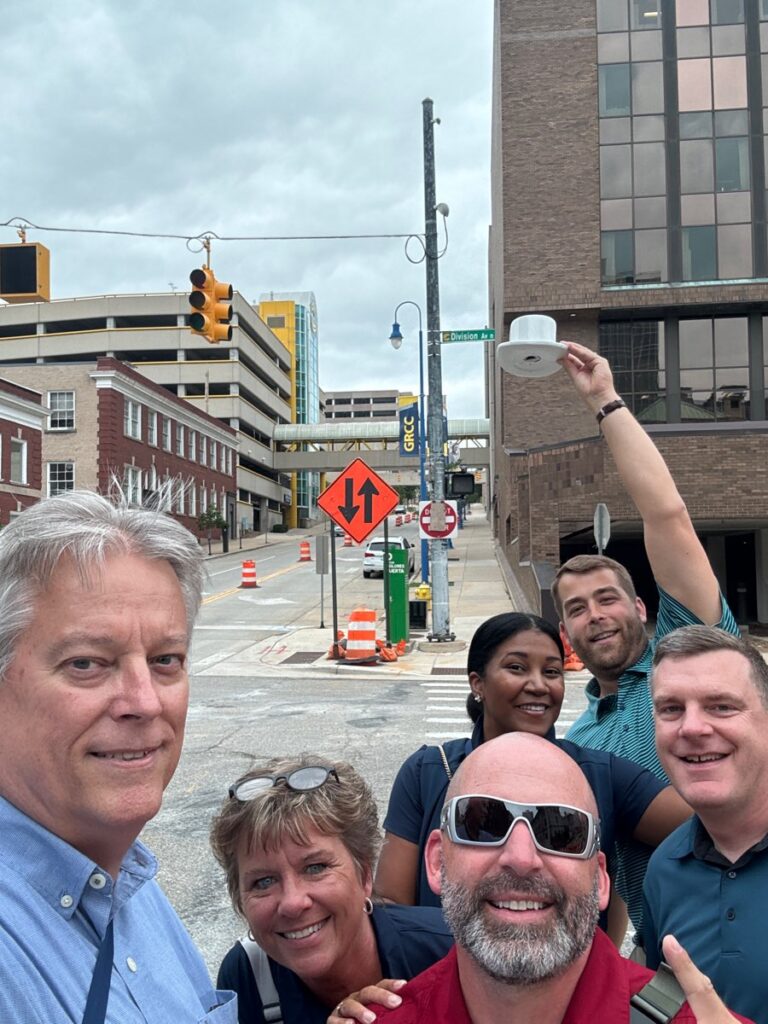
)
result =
(296, 117)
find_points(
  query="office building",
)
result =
(22, 416)
(629, 203)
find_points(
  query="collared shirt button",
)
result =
(731, 874)
(97, 881)
(132, 965)
(66, 901)
(730, 914)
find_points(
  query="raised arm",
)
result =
(678, 560)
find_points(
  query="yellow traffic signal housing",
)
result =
(211, 316)
(25, 272)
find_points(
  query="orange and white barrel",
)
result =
(407, 517)
(248, 578)
(398, 520)
(361, 635)
(305, 555)
(347, 541)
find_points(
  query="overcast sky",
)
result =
(293, 117)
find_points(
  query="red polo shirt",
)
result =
(602, 992)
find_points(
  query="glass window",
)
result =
(617, 257)
(648, 88)
(694, 84)
(61, 477)
(645, 14)
(731, 341)
(692, 42)
(635, 351)
(730, 82)
(648, 129)
(651, 213)
(180, 439)
(152, 428)
(650, 256)
(612, 15)
(166, 433)
(192, 499)
(646, 46)
(18, 461)
(132, 485)
(695, 341)
(203, 450)
(203, 498)
(728, 39)
(615, 214)
(699, 262)
(192, 446)
(697, 125)
(734, 251)
(731, 165)
(696, 170)
(615, 172)
(212, 463)
(734, 207)
(692, 12)
(613, 90)
(727, 12)
(614, 129)
(613, 48)
(132, 419)
(763, 10)
(697, 209)
(62, 406)
(731, 122)
(649, 169)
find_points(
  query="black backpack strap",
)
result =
(659, 1000)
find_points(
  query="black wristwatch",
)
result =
(617, 403)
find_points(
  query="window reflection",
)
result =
(615, 172)
(690, 12)
(613, 90)
(728, 39)
(699, 254)
(734, 251)
(714, 369)
(635, 350)
(696, 167)
(649, 169)
(648, 88)
(612, 16)
(645, 14)
(693, 42)
(730, 82)
(732, 165)
(694, 85)
(726, 12)
(617, 257)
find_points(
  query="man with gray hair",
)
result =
(97, 604)
(517, 862)
(708, 881)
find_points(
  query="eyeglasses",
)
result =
(302, 780)
(477, 820)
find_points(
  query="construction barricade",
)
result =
(248, 578)
(347, 541)
(305, 554)
(361, 636)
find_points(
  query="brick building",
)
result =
(22, 416)
(629, 202)
(107, 424)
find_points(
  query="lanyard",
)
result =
(98, 994)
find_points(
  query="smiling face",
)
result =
(521, 686)
(94, 703)
(520, 914)
(304, 905)
(605, 626)
(710, 732)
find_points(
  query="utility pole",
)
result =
(440, 610)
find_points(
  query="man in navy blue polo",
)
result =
(708, 882)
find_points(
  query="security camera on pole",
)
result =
(436, 429)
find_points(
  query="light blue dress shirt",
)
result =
(55, 905)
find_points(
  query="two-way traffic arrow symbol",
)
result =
(368, 490)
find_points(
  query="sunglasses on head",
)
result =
(477, 820)
(302, 780)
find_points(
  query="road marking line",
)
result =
(449, 721)
(237, 590)
(237, 568)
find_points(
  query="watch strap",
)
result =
(617, 403)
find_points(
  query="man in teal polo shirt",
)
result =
(600, 612)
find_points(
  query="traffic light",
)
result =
(211, 316)
(25, 274)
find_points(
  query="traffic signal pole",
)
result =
(439, 552)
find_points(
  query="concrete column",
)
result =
(761, 559)
(181, 355)
(182, 390)
(180, 320)
(110, 323)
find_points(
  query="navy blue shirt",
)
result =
(716, 910)
(623, 791)
(408, 939)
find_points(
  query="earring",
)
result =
(251, 936)
(477, 698)
(368, 905)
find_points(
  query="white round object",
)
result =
(532, 349)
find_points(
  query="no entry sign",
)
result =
(431, 524)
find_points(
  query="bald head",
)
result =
(525, 768)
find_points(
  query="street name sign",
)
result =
(436, 523)
(451, 337)
(358, 500)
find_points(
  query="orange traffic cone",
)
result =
(573, 662)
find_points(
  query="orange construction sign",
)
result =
(358, 500)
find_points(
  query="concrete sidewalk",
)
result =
(477, 590)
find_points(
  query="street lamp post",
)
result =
(396, 339)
